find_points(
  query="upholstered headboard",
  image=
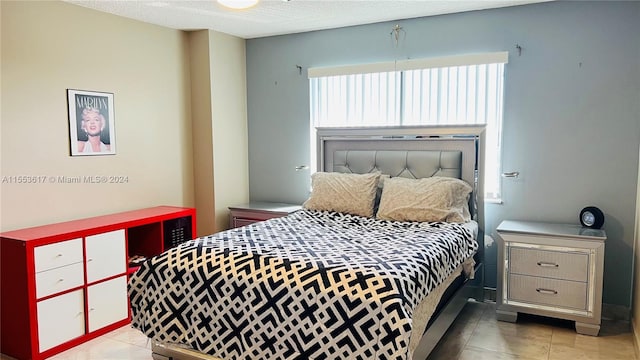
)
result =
(414, 164)
(413, 152)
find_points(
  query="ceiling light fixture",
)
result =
(238, 4)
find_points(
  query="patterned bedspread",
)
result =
(312, 285)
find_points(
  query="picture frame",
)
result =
(91, 123)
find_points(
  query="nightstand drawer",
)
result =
(238, 222)
(561, 293)
(552, 264)
(253, 212)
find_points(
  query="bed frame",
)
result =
(413, 152)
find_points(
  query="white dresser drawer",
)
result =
(560, 293)
(553, 264)
(106, 255)
(56, 255)
(107, 302)
(59, 279)
(60, 319)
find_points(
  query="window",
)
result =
(455, 90)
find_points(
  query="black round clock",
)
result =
(592, 217)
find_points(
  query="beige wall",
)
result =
(229, 108)
(48, 47)
(219, 104)
(202, 131)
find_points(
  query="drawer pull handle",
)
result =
(547, 264)
(59, 255)
(546, 291)
(60, 280)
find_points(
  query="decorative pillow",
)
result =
(427, 199)
(349, 193)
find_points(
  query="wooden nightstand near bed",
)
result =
(551, 270)
(255, 211)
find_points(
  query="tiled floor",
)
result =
(124, 343)
(475, 335)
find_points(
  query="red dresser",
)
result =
(66, 283)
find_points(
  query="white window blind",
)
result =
(457, 90)
(356, 100)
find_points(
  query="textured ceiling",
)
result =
(277, 17)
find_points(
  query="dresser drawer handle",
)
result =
(547, 264)
(546, 291)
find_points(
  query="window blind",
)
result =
(466, 89)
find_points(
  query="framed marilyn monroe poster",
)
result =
(91, 123)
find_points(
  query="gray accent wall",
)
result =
(571, 116)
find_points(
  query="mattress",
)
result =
(311, 285)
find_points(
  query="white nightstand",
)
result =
(550, 270)
(246, 214)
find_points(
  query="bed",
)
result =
(354, 275)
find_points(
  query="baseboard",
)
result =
(490, 294)
(635, 330)
(616, 312)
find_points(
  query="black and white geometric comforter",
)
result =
(312, 285)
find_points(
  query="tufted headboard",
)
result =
(414, 164)
(413, 152)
